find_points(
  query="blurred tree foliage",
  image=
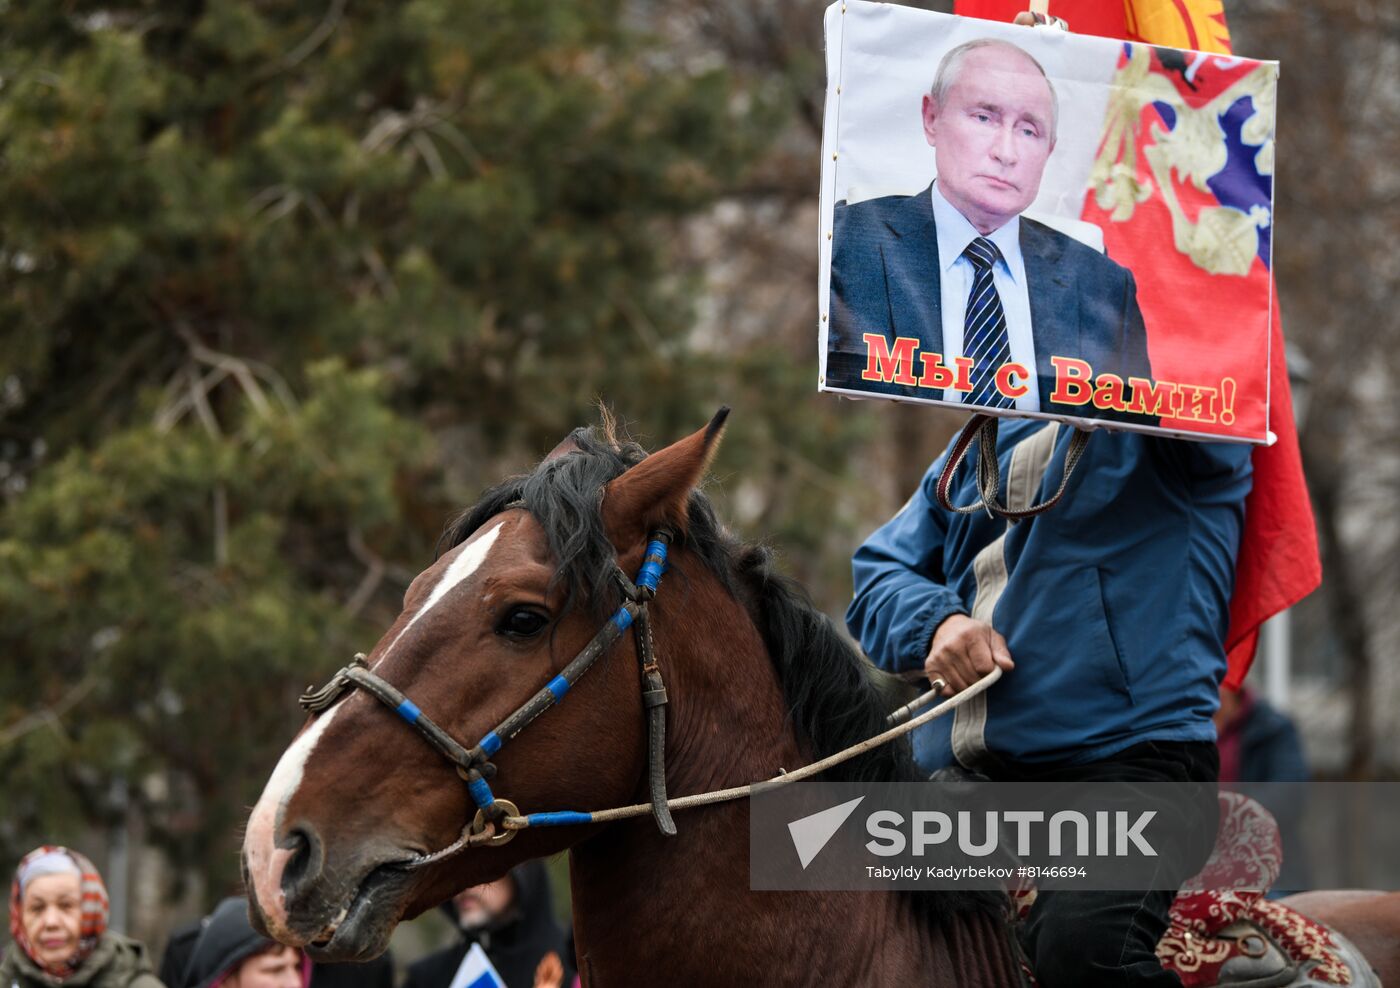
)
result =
(281, 287)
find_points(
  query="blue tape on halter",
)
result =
(560, 818)
(491, 743)
(654, 565)
(481, 793)
(558, 686)
(409, 711)
(622, 620)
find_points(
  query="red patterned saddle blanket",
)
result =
(1228, 934)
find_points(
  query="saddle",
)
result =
(1228, 934)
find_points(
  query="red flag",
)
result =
(1278, 563)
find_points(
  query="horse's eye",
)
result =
(522, 622)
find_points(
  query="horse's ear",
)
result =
(569, 445)
(655, 491)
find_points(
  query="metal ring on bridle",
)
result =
(482, 825)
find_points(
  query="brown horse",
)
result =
(345, 841)
(757, 680)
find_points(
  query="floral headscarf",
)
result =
(53, 860)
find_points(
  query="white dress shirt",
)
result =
(955, 274)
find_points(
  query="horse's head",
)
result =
(335, 847)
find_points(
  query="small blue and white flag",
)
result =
(476, 971)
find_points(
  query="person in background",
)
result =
(513, 920)
(58, 922)
(378, 973)
(178, 947)
(1260, 744)
(230, 954)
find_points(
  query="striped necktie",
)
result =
(984, 328)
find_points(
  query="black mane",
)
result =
(831, 690)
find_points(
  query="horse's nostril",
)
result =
(306, 861)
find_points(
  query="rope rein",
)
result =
(784, 778)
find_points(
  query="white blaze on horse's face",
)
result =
(473, 554)
(266, 862)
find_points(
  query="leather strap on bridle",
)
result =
(653, 701)
(474, 765)
(357, 674)
(983, 430)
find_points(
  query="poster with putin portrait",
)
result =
(1028, 222)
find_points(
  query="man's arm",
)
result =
(904, 613)
(1215, 473)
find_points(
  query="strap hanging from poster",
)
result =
(982, 429)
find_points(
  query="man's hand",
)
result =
(963, 651)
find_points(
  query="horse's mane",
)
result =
(831, 691)
(834, 696)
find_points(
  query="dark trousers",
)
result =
(1092, 939)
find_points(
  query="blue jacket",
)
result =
(1114, 604)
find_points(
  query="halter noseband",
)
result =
(474, 765)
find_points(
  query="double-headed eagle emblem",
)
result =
(1192, 149)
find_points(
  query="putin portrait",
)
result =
(952, 294)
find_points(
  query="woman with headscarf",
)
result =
(58, 921)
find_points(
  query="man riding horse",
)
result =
(1109, 614)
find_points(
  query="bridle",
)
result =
(474, 765)
(497, 821)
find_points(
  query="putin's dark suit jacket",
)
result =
(885, 279)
